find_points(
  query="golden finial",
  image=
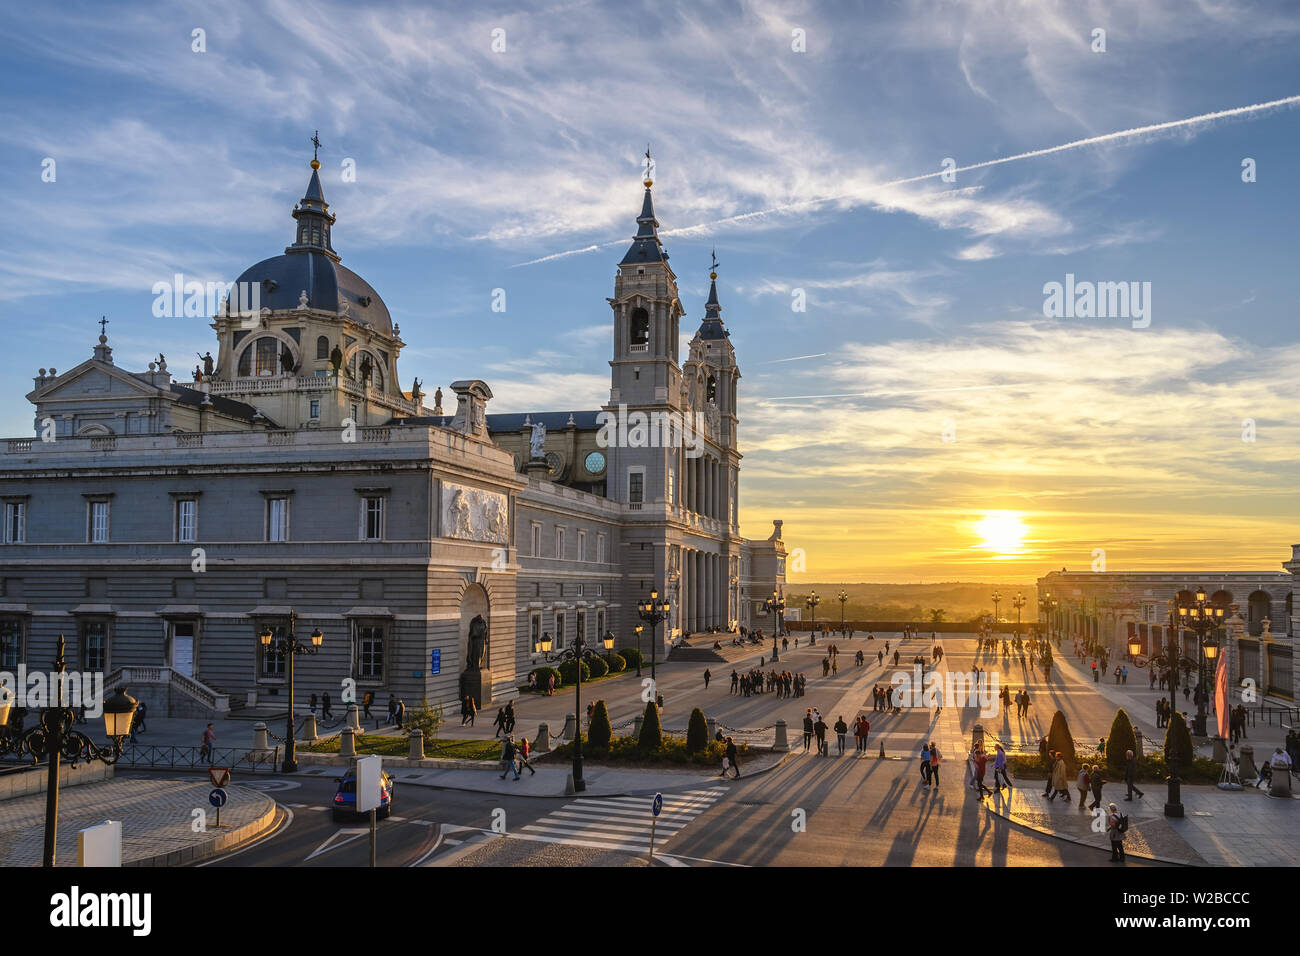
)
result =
(315, 144)
(649, 168)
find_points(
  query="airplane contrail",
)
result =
(1125, 134)
(793, 358)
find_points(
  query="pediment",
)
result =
(90, 379)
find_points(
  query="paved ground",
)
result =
(156, 816)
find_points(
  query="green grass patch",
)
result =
(401, 747)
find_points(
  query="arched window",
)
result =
(1258, 607)
(245, 363)
(711, 390)
(268, 356)
(640, 329)
(323, 347)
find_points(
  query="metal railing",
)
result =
(191, 758)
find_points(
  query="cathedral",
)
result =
(291, 484)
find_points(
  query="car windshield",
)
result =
(348, 786)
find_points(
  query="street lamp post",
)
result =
(53, 738)
(811, 603)
(1018, 602)
(843, 599)
(775, 606)
(654, 612)
(1203, 617)
(290, 647)
(577, 653)
(1171, 659)
(637, 630)
(997, 599)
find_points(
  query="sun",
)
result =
(1003, 532)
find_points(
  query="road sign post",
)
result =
(370, 776)
(218, 798)
(655, 807)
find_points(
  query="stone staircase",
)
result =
(167, 692)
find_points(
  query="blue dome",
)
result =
(284, 278)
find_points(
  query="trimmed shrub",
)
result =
(652, 735)
(697, 732)
(596, 668)
(1121, 740)
(1178, 744)
(569, 671)
(617, 664)
(633, 657)
(600, 732)
(543, 673)
(1060, 741)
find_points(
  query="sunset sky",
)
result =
(921, 391)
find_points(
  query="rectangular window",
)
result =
(94, 645)
(372, 519)
(11, 643)
(600, 549)
(355, 416)
(581, 589)
(98, 522)
(582, 546)
(315, 402)
(370, 652)
(537, 540)
(672, 486)
(600, 590)
(580, 624)
(270, 660)
(15, 522)
(187, 520)
(559, 542)
(535, 629)
(277, 519)
(636, 487)
(600, 623)
(559, 629)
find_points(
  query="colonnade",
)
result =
(703, 590)
(704, 487)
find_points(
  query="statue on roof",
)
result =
(538, 440)
(336, 360)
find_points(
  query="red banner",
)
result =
(1221, 702)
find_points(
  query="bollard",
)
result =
(308, 731)
(347, 743)
(259, 736)
(636, 727)
(882, 750)
(713, 727)
(543, 742)
(569, 789)
(354, 718)
(1220, 750)
(1281, 785)
(1137, 737)
(417, 745)
(570, 724)
(1248, 770)
(781, 744)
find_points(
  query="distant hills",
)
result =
(959, 600)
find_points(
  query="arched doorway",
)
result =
(1258, 608)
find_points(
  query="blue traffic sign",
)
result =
(435, 661)
(658, 804)
(218, 798)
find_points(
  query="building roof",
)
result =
(514, 421)
(712, 327)
(226, 406)
(646, 246)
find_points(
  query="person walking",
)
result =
(510, 717)
(1130, 774)
(1116, 826)
(707, 676)
(1096, 781)
(730, 759)
(1000, 769)
(934, 765)
(819, 730)
(981, 762)
(325, 707)
(807, 729)
(366, 700)
(1081, 783)
(841, 729)
(467, 711)
(311, 704)
(508, 750)
(925, 764)
(209, 743)
(141, 713)
(500, 722)
(399, 713)
(1058, 779)
(522, 752)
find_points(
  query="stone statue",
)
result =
(208, 364)
(198, 374)
(336, 360)
(366, 369)
(286, 360)
(478, 643)
(437, 397)
(537, 441)
(415, 393)
(162, 362)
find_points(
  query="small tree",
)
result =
(633, 657)
(937, 615)
(425, 719)
(1121, 740)
(1178, 744)
(617, 663)
(697, 732)
(599, 733)
(652, 735)
(1060, 741)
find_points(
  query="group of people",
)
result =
(514, 756)
(505, 722)
(783, 684)
(977, 766)
(550, 683)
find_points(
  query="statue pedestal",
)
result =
(477, 684)
(537, 467)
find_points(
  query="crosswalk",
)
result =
(619, 823)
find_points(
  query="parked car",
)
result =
(345, 797)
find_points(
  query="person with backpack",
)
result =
(819, 730)
(925, 764)
(522, 752)
(841, 729)
(1116, 827)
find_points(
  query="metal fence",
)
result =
(191, 758)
